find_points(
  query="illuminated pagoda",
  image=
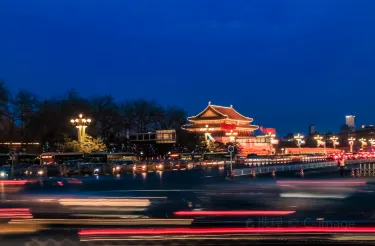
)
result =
(223, 124)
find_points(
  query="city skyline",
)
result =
(287, 64)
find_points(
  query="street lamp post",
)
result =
(372, 142)
(334, 141)
(81, 124)
(351, 142)
(363, 142)
(319, 141)
(298, 138)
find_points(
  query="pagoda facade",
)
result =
(219, 120)
(225, 124)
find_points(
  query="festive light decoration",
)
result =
(334, 141)
(351, 143)
(363, 142)
(299, 139)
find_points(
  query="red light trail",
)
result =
(232, 213)
(192, 231)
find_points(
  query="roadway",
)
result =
(321, 198)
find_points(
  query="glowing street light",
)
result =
(81, 124)
(318, 139)
(351, 142)
(232, 135)
(363, 142)
(299, 138)
(334, 141)
(372, 142)
(207, 134)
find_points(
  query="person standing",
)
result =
(342, 166)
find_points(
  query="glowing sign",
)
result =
(47, 157)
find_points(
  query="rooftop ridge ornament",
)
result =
(209, 103)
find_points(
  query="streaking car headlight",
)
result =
(96, 170)
(40, 172)
(2, 174)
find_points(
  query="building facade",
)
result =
(312, 129)
(350, 122)
(225, 124)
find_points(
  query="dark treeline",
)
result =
(26, 118)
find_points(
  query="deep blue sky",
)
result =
(285, 63)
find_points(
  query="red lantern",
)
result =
(228, 127)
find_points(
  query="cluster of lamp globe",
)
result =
(81, 124)
(321, 141)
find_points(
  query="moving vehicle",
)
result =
(195, 157)
(123, 166)
(21, 163)
(140, 167)
(18, 158)
(54, 158)
(110, 157)
(217, 159)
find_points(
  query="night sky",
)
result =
(285, 63)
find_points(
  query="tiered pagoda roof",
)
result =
(220, 118)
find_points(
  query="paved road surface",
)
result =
(321, 198)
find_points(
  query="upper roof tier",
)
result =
(215, 112)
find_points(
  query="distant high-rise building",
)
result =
(350, 122)
(312, 129)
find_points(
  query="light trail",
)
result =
(320, 182)
(233, 213)
(105, 221)
(310, 195)
(195, 231)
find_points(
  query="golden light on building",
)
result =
(81, 123)
(271, 137)
(219, 123)
(232, 135)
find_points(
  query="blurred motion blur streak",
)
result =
(15, 213)
(231, 230)
(320, 182)
(105, 202)
(309, 195)
(232, 213)
(104, 221)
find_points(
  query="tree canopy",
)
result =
(25, 117)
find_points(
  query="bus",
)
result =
(186, 156)
(216, 159)
(103, 157)
(18, 158)
(218, 156)
(54, 158)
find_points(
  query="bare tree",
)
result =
(25, 106)
(107, 118)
